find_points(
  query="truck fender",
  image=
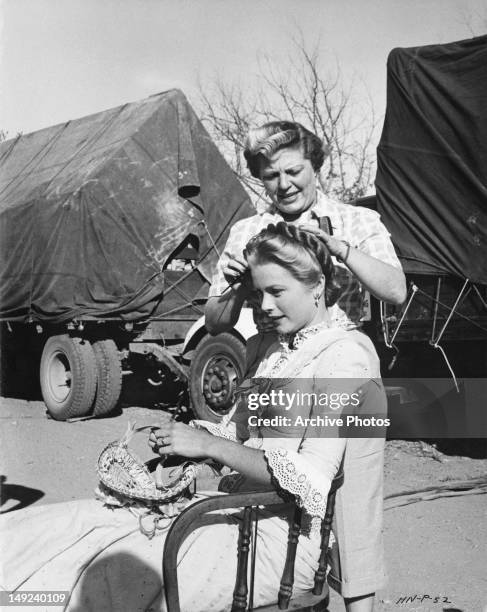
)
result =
(245, 328)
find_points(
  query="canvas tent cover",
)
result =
(91, 210)
(432, 158)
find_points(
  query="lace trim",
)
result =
(290, 478)
(254, 440)
(221, 430)
(290, 343)
(295, 341)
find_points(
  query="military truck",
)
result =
(110, 228)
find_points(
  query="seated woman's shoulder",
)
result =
(362, 340)
(353, 354)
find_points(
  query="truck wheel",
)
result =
(109, 376)
(68, 376)
(216, 368)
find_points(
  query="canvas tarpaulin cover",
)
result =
(91, 210)
(432, 158)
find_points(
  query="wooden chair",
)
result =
(251, 502)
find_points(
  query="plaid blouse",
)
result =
(359, 226)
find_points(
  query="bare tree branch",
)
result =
(299, 91)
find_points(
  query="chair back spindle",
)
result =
(287, 580)
(240, 592)
(320, 574)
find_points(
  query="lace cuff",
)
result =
(295, 474)
(222, 430)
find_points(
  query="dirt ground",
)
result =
(436, 541)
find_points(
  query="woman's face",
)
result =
(288, 302)
(290, 181)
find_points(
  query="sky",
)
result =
(63, 59)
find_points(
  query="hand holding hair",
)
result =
(236, 274)
(338, 248)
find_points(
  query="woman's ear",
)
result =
(319, 289)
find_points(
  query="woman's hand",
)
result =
(236, 272)
(338, 248)
(173, 438)
(383, 280)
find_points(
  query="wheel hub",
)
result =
(59, 377)
(218, 384)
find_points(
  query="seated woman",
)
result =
(99, 556)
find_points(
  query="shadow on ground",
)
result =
(14, 497)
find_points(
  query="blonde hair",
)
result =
(300, 252)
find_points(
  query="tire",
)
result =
(109, 376)
(216, 368)
(68, 376)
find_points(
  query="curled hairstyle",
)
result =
(300, 252)
(266, 140)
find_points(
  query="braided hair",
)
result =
(300, 252)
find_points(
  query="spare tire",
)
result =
(68, 376)
(216, 368)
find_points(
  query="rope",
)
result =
(451, 489)
(390, 343)
(176, 309)
(452, 312)
(436, 342)
(476, 289)
(459, 314)
(205, 226)
(11, 148)
(49, 144)
(385, 327)
(156, 524)
(89, 142)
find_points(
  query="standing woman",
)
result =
(286, 158)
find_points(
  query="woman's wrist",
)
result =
(211, 445)
(344, 254)
(220, 449)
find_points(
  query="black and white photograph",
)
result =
(243, 305)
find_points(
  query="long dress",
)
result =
(99, 556)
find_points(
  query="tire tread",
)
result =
(79, 353)
(109, 376)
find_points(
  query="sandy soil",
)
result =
(436, 547)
